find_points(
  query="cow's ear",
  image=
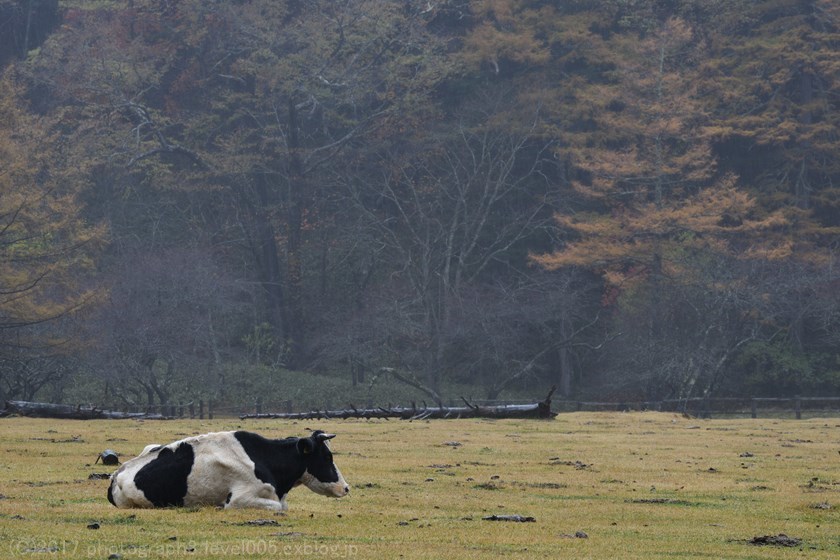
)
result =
(306, 446)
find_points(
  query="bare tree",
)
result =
(452, 213)
(536, 328)
(165, 330)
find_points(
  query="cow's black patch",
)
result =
(276, 462)
(164, 479)
(282, 463)
(111, 493)
(320, 460)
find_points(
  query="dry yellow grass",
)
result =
(639, 485)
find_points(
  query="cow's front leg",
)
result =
(261, 497)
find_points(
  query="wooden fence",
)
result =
(192, 409)
(753, 407)
(200, 409)
(708, 407)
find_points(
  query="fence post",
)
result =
(754, 408)
(210, 409)
(797, 407)
(201, 409)
(259, 405)
(707, 411)
(192, 409)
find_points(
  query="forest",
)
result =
(384, 199)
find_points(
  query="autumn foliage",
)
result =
(620, 198)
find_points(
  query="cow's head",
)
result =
(321, 476)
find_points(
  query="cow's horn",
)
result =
(323, 437)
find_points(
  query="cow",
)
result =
(230, 469)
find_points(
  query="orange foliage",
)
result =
(651, 173)
(510, 30)
(46, 246)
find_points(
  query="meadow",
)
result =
(597, 485)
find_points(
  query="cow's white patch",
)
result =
(257, 496)
(124, 492)
(149, 448)
(337, 489)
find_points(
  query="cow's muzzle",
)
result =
(337, 489)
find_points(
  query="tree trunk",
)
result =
(802, 187)
(27, 30)
(564, 362)
(294, 225)
(268, 259)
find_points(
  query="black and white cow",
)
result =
(230, 469)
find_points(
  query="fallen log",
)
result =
(537, 410)
(68, 412)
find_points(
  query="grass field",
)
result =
(599, 485)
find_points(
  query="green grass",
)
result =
(640, 485)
